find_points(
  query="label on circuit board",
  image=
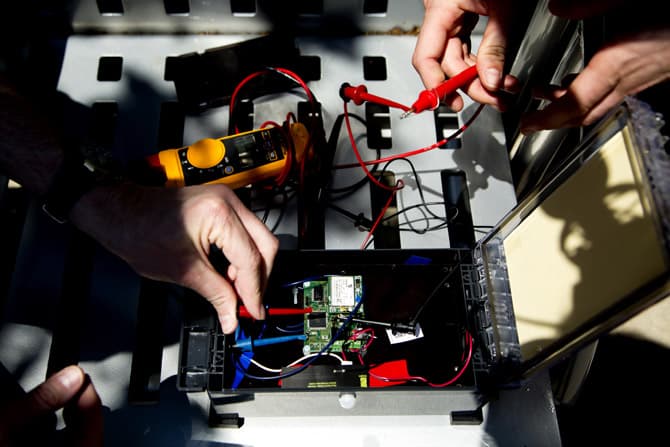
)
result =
(342, 291)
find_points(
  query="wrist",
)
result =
(103, 213)
(73, 179)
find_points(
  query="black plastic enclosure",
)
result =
(399, 286)
(453, 294)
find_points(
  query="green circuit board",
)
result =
(332, 299)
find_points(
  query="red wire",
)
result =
(296, 78)
(463, 368)
(355, 336)
(233, 99)
(399, 185)
(270, 123)
(310, 97)
(416, 151)
(424, 380)
(384, 101)
(361, 163)
(286, 72)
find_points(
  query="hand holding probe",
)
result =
(429, 99)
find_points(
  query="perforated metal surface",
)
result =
(143, 35)
(244, 16)
(142, 89)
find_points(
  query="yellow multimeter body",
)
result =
(236, 160)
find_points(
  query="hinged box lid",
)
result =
(586, 251)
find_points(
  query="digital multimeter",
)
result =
(237, 160)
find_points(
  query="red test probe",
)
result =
(429, 99)
(360, 94)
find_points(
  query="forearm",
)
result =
(116, 215)
(30, 149)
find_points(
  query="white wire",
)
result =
(272, 370)
(342, 361)
(265, 368)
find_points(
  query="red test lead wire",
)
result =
(430, 99)
(360, 94)
(275, 311)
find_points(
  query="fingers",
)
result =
(50, 396)
(491, 53)
(619, 69)
(443, 49)
(266, 242)
(624, 66)
(587, 99)
(454, 62)
(220, 294)
(436, 29)
(249, 247)
(443, 22)
(69, 388)
(571, 111)
(83, 417)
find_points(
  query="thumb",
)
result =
(54, 393)
(46, 398)
(492, 49)
(222, 296)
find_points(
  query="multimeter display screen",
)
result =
(246, 148)
(243, 154)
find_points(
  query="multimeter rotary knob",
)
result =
(205, 153)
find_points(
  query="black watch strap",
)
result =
(72, 180)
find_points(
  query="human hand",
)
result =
(625, 66)
(167, 234)
(164, 234)
(443, 48)
(70, 389)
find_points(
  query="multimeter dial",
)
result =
(206, 153)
